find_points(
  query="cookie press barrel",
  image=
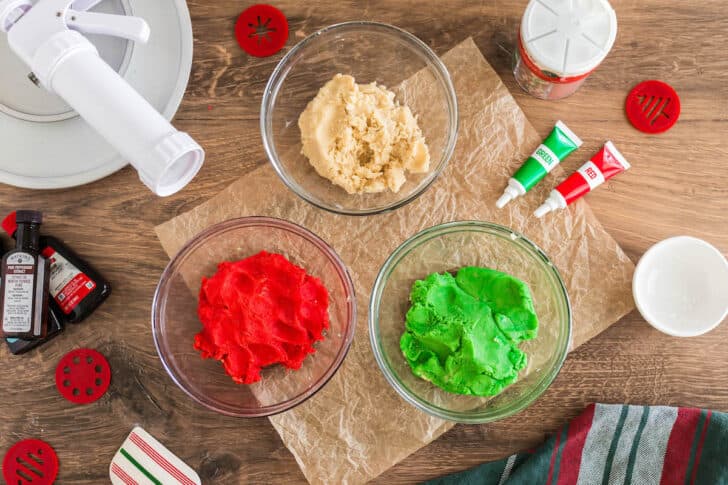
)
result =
(48, 36)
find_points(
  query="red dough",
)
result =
(260, 311)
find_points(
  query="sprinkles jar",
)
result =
(560, 43)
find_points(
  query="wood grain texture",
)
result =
(677, 186)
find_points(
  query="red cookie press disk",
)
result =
(262, 30)
(83, 376)
(30, 462)
(653, 106)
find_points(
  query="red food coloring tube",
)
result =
(607, 163)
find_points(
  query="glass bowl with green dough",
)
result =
(469, 321)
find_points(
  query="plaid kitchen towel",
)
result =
(618, 444)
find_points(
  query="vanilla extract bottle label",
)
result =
(18, 293)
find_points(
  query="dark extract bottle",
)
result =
(55, 327)
(76, 288)
(25, 281)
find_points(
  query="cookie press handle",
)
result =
(131, 28)
(47, 36)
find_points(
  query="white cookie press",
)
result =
(47, 36)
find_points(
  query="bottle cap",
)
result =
(9, 224)
(568, 38)
(28, 217)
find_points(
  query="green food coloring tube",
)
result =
(554, 149)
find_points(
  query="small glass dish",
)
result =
(175, 322)
(449, 247)
(369, 52)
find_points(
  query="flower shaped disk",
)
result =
(261, 30)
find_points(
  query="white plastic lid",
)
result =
(680, 286)
(568, 37)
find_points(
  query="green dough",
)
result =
(462, 333)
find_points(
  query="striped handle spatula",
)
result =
(142, 460)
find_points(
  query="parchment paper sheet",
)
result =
(357, 427)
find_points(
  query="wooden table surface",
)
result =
(677, 186)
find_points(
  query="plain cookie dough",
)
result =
(360, 138)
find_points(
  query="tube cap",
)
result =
(504, 199)
(509, 194)
(544, 209)
(555, 201)
(171, 165)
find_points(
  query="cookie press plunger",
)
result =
(47, 36)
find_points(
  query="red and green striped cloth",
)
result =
(618, 444)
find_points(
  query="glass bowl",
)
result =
(448, 247)
(175, 322)
(369, 52)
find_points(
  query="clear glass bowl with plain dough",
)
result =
(370, 52)
(175, 322)
(449, 247)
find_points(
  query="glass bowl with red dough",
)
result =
(253, 316)
(453, 252)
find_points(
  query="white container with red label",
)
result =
(560, 43)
